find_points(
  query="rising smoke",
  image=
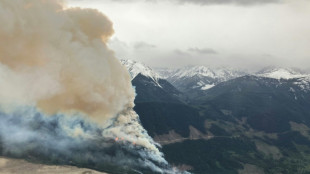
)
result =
(64, 97)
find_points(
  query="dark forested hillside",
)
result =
(245, 125)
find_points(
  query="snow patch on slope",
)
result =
(206, 87)
(303, 83)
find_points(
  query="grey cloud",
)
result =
(202, 50)
(205, 2)
(236, 2)
(118, 1)
(119, 43)
(143, 45)
(181, 53)
(134, 0)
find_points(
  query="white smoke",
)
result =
(62, 90)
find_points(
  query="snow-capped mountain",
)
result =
(195, 81)
(135, 68)
(191, 71)
(281, 73)
(199, 77)
(298, 77)
(149, 85)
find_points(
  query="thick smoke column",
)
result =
(58, 60)
(57, 78)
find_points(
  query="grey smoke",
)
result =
(59, 139)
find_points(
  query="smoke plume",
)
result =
(63, 95)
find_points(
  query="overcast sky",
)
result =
(237, 33)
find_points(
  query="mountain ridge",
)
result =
(252, 122)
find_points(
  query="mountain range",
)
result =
(225, 121)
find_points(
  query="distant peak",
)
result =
(281, 73)
(203, 71)
(135, 68)
(190, 71)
